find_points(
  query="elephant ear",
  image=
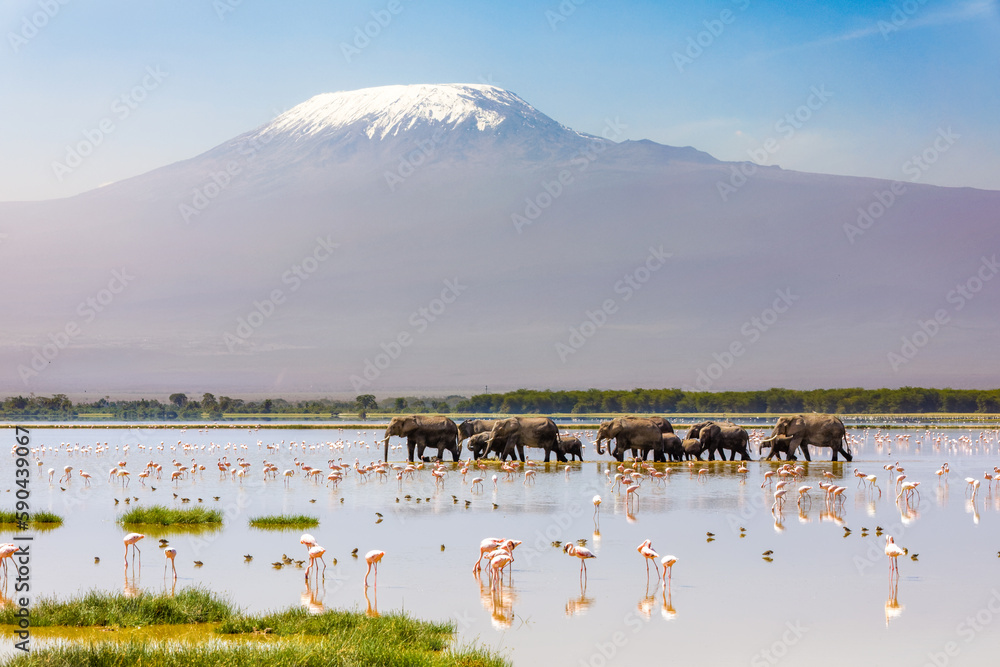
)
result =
(795, 426)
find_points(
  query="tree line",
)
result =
(178, 406)
(667, 401)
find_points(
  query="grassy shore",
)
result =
(41, 520)
(283, 521)
(158, 515)
(102, 609)
(284, 638)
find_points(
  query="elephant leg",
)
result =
(711, 454)
(560, 456)
(800, 444)
(835, 452)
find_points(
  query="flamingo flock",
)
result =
(629, 479)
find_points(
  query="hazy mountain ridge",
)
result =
(434, 189)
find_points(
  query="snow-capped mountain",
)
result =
(445, 237)
(386, 111)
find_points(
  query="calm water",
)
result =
(824, 597)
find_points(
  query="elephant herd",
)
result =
(639, 436)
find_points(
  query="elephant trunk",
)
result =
(600, 450)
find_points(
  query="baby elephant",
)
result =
(779, 445)
(672, 447)
(571, 447)
(692, 448)
(478, 445)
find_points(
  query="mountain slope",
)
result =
(451, 236)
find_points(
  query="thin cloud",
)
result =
(885, 25)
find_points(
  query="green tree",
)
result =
(366, 402)
(180, 400)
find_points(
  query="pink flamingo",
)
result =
(893, 551)
(372, 558)
(647, 552)
(668, 568)
(170, 553)
(583, 553)
(315, 551)
(7, 551)
(130, 540)
(497, 564)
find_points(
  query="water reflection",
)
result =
(579, 605)
(972, 508)
(371, 610)
(667, 609)
(499, 601)
(893, 608)
(131, 588)
(646, 605)
(312, 600)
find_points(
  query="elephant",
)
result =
(813, 429)
(710, 435)
(718, 437)
(693, 447)
(470, 427)
(479, 445)
(571, 447)
(423, 431)
(639, 435)
(516, 433)
(672, 446)
(662, 424)
(779, 445)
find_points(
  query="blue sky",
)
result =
(838, 87)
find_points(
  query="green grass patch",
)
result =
(292, 653)
(390, 639)
(100, 609)
(39, 520)
(159, 515)
(280, 521)
(292, 637)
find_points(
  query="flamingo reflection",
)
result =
(131, 588)
(667, 610)
(579, 605)
(892, 606)
(372, 610)
(311, 600)
(646, 605)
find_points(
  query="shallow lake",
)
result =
(823, 596)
